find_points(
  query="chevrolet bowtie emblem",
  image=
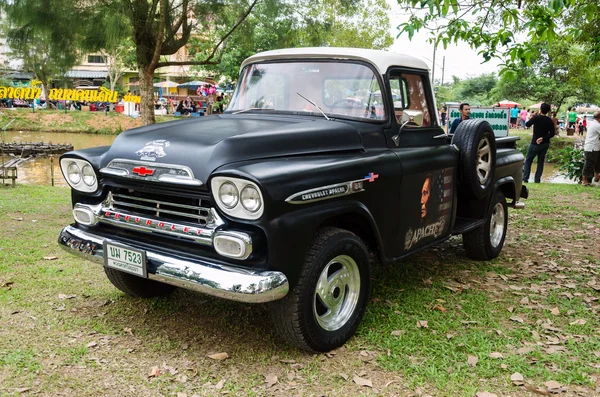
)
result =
(142, 171)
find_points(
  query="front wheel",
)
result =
(486, 242)
(327, 304)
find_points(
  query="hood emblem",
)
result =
(142, 171)
(153, 150)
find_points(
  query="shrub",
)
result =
(571, 162)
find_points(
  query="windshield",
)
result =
(340, 89)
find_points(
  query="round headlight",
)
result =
(250, 199)
(74, 173)
(89, 177)
(229, 195)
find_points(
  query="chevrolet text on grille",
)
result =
(154, 223)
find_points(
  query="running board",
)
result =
(463, 225)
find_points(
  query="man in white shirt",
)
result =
(591, 150)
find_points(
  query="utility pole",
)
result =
(443, 67)
(433, 65)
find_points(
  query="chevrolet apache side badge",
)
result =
(153, 150)
(331, 191)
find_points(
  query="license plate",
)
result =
(124, 258)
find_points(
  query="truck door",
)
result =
(427, 189)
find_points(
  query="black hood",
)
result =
(207, 143)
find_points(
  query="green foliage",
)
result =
(495, 27)
(275, 24)
(571, 162)
(558, 75)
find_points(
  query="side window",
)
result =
(408, 93)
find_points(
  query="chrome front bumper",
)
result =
(226, 282)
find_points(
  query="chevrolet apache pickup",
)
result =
(323, 157)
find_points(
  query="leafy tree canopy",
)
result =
(510, 29)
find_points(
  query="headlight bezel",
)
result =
(239, 210)
(81, 185)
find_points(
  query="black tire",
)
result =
(137, 286)
(477, 159)
(486, 242)
(337, 264)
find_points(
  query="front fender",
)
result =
(290, 235)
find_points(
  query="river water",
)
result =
(37, 171)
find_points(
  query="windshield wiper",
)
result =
(314, 104)
(249, 109)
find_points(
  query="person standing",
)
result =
(465, 113)
(556, 126)
(572, 117)
(591, 151)
(443, 114)
(523, 116)
(543, 130)
(514, 116)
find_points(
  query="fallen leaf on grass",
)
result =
(517, 379)
(92, 344)
(271, 380)
(50, 258)
(427, 282)
(439, 308)
(496, 355)
(510, 309)
(7, 284)
(220, 385)
(127, 330)
(397, 332)
(472, 361)
(517, 319)
(524, 350)
(552, 385)
(219, 356)
(22, 389)
(63, 296)
(578, 322)
(555, 349)
(343, 376)
(154, 372)
(291, 375)
(485, 394)
(422, 324)
(362, 381)
(524, 301)
(555, 311)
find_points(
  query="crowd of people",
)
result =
(545, 125)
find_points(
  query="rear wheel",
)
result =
(137, 286)
(327, 304)
(487, 240)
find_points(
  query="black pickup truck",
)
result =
(323, 157)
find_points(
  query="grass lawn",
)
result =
(438, 324)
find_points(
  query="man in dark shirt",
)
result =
(543, 130)
(465, 113)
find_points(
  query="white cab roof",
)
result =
(382, 60)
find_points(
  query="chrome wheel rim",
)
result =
(497, 225)
(336, 293)
(484, 160)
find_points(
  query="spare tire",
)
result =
(477, 156)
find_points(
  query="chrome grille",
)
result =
(172, 208)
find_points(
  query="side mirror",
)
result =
(413, 118)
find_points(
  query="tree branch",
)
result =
(187, 63)
(239, 22)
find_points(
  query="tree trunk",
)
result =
(147, 94)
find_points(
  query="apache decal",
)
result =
(153, 150)
(435, 208)
(331, 191)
